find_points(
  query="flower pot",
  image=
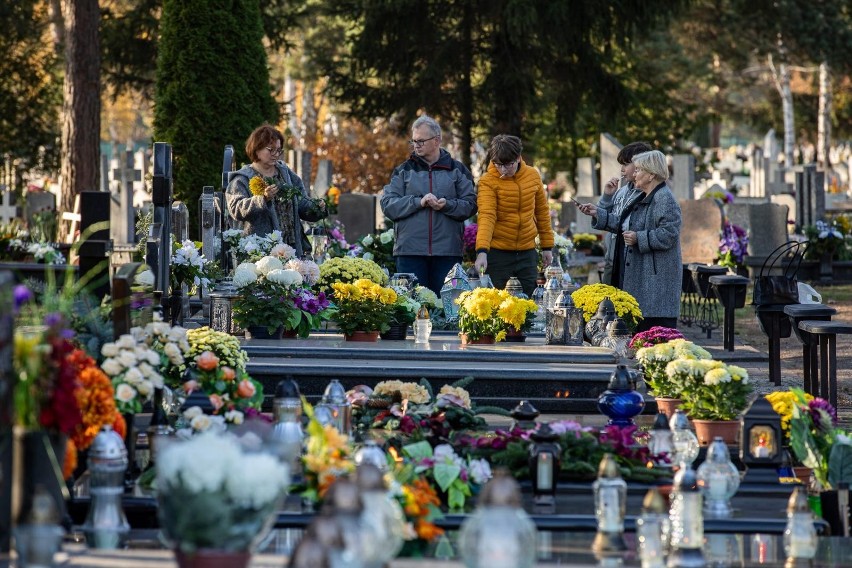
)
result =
(362, 336)
(706, 430)
(290, 334)
(262, 332)
(207, 558)
(668, 405)
(484, 340)
(803, 474)
(397, 332)
(514, 336)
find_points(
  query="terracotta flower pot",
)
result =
(207, 558)
(668, 405)
(804, 474)
(706, 430)
(484, 340)
(362, 336)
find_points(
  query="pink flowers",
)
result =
(654, 336)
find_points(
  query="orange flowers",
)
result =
(207, 361)
(419, 500)
(246, 389)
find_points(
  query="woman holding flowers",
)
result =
(267, 196)
(647, 260)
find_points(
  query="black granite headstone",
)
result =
(95, 244)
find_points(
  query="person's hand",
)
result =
(481, 263)
(630, 238)
(546, 257)
(588, 209)
(426, 200)
(438, 204)
(612, 186)
(270, 192)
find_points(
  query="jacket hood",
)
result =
(445, 161)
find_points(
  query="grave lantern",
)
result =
(564, 324)
(422, 327)
(687, 520)
(318, 239)
(335, 401)
(719, 480)
(473, 277)
(513, 287)
(620, 401)
(405, 280)
(596, 327)
(610, 503)
(106, 525)
(524, 415)
(544, 465)
(222, 307)
(618, 338)
(760, 441)
(800, 538)
(455, 283)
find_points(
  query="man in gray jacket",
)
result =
(428, 198)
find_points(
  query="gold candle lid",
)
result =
(653, 502)
(608, 468)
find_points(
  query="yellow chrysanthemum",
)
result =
(257, 186)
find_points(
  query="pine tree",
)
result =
(212, 88)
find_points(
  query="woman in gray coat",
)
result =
(259, 211)
(647, 261)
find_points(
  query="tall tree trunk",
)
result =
(81, 105)
(781, 75)
(466, 117)
(824, 119)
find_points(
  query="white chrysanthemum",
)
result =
(126, 341)
(269, 263)
(716, 376)
(199, 465)
(111, 367)
(109, 350)
(244, 278)
(133, 376)
(367, 241)
(283, 251)
(285, 277)
(125, 393)
(145, 388)
(256, 481)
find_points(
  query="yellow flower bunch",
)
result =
(583, 240)
(457, 392)
(488, 311)
(349, 269)
(590, 296)
(412, 392)
(783, 402)
(363, 306)
(224, 345)
(515, 311)
(257, 186)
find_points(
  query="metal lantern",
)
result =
(222, 307)
(455, 283)
(564, 323)
(106, 525)
(760, 442)
(405, 280)
(544, 465)
(618, 338)
(610, 503)
(596, 328)
(334, 399)
(514, 288)
(552, 290)
(524, 415)
(473, 277)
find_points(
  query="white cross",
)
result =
(74, 218)
(7, 210)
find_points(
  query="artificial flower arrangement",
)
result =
(189, 266)
(272, 296)
(214, 493)
(415, 411)
(232, 392)
(134, 369)
(654, 360)
(327, 456)
(422, 507)
(582, 449)
(733, 246)
(590, 296)
(363, 306)
(491, 312)
(348, 269)
(379, 249)
(459, 478)
(783, 403)
(43, 253)
(818, 443)
(654, 336)
(224, 345)
(711, 390)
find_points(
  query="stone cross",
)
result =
(7, 409)
(7, 210)
(122, 213)
(162, 200)
(72, 217)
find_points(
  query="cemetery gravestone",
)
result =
(211, 236)
(180, 230)
(768, 229)
(360, 213)
(123, 214)
(699, 230)
(323, 180)
(96, 245)
(162, 200)
(810, 196)
(586, 192)
(683, 178)
(610, 168)
(8, 210)
(39, 204)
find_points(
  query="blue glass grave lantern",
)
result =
(455, 283)
(620, 402)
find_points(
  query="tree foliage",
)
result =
(30, 85)
(209, 93)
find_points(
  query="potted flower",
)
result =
(348, 269)
(232, 392)
(404, 313)
(584, 242)
(363, 309)
(272, 300)
(190, 268)
(654, 360)
(590, 296)
(818, 443)
(714, 396)
(654, 336)
(217, 499)
(485, 314)
(783, 403)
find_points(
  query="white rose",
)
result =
(111, 367)
(269, 263)
(127, 358)
(386, 237)
(145, 388)
(367, 241)
(109, 350)
(125, 393)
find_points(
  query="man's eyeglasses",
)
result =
(419, 143)
(503, 166)
(275, 151)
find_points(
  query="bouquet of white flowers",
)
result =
(134, 370)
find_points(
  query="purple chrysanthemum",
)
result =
(823, 414)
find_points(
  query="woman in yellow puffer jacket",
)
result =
(513, 210)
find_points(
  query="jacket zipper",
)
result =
(520, 206)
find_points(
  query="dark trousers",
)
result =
(523, 264)
(648, 323)
(430, 270)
